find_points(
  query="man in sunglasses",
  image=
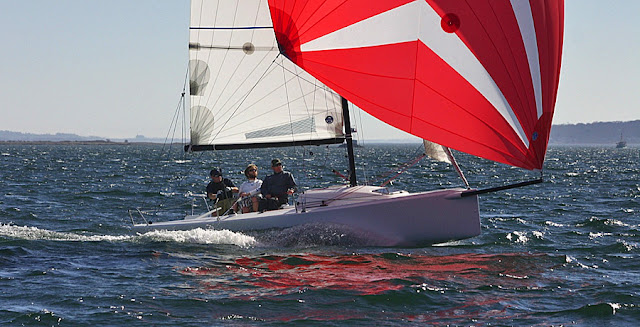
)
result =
(250, 190)
(276, 188)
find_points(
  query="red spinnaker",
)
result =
(477, 76)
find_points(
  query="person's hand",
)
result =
(268, 196)
(290, 191)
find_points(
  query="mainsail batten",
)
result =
(488, 95)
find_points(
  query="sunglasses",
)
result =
(253, 170)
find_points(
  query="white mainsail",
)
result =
(243, 93)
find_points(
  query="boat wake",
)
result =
(195, 236)
(35, 233)
(199, 236)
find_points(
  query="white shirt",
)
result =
(250, 186)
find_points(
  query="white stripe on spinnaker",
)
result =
(390, 27)
(398, 25)
(522, 10)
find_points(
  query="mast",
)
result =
(349, 139)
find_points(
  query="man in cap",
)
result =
(221, 190)
(276, 188)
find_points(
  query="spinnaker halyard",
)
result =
(476, 76)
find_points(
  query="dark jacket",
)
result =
(214, 187)
(278, 184)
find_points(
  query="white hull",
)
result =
(396, 219)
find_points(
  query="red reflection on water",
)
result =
(363, 274)
(464, 287)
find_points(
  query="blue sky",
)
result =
(116, 68)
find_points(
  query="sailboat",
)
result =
(479, 77)
(622, 143)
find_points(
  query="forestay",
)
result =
(477, 76)
(242, 92)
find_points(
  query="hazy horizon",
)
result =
(590, 134)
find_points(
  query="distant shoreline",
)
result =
(96, 142)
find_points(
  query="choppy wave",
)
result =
(561, 252)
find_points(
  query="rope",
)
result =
(403, 167)
(407, 166)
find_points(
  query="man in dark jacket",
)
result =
(276, 188)
(221, 190)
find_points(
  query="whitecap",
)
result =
(614, 307)
(629, 246)
(553, 224)
(595, 235)
(514, 276)
(570, 259)
(518, 237)
(615, 222)
(426, 287)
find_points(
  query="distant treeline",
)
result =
(592, 133)
(8, 136)
(58, 137)
(596, 133)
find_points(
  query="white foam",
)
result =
(518, 237)
(614, 307)
(195, 236)
(200, 236)
(551, 223)
(538, 234)
(34, 233)
(570, 259)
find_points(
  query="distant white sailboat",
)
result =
(622, 143)
(480, 77)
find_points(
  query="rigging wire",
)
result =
(286, 92)
(325, 87)
(242, 101)
(168, 145)
(360, 138)
(418, 153)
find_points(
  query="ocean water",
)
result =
(565, 252)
